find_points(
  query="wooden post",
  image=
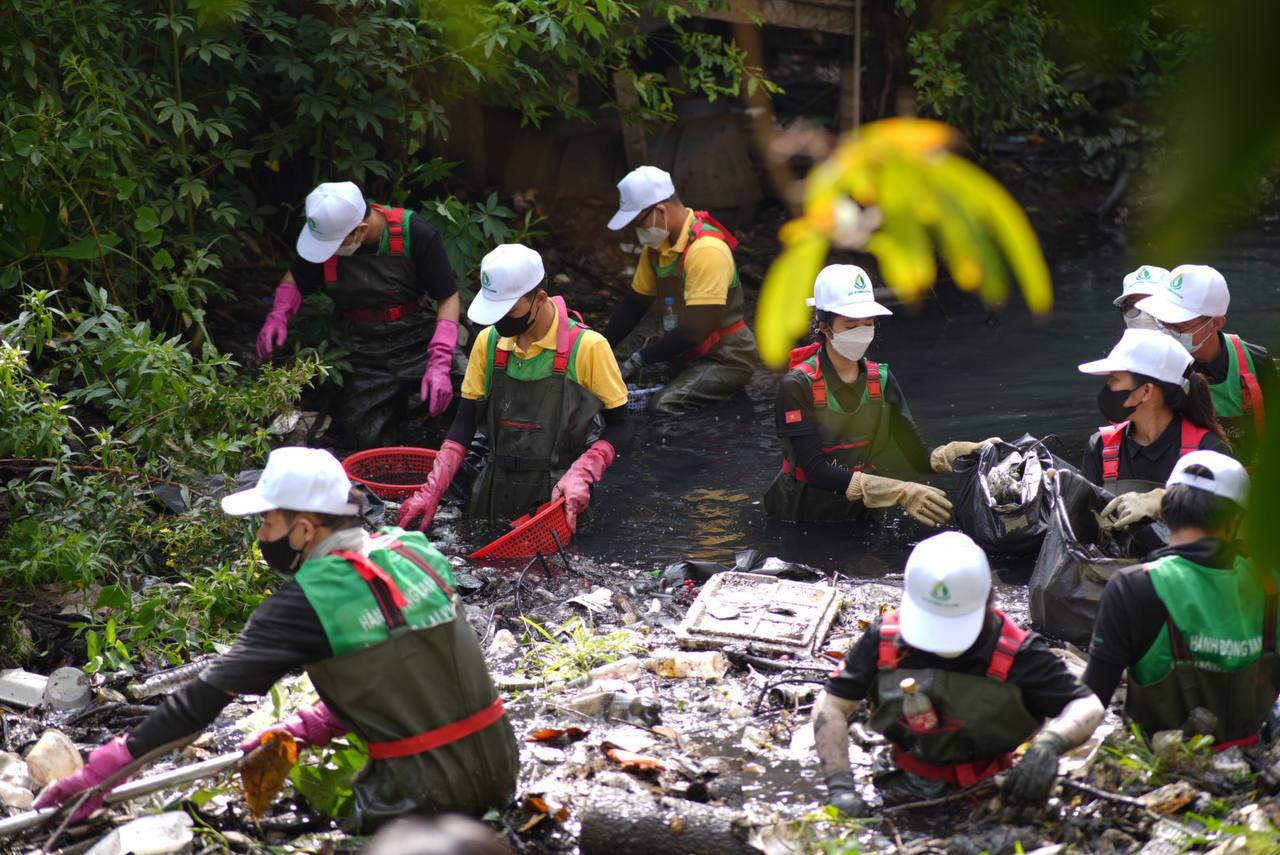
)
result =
(633, 141)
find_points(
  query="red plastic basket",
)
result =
(393, 473)
(531, 534)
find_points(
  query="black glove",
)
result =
(1029, 782)
(842, 794)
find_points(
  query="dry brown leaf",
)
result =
(265, 770)
(668, 733)
(557, 736)
(633, 762)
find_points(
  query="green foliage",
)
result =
(985, 67)
(548, 657)
(326, 780)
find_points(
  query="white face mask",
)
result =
(853, 343)
(348, 249)
(1188, 339)
(652, 236)
(1136, 319)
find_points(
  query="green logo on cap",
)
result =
(311, 224)
(1144, 274)
(1176, 284)
(940, 592)
(860, 284)
(484, 282)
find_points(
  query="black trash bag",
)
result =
(746, 561)
(1077, 559)
(1002, 502)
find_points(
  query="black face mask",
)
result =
(280, 555)
(1111, 404)
(512, 326)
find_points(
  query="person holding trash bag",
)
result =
(1138, 285)
(1159, 410)
(380, 265)
(956, 686)
(687, 265)
(375, 622)
(536, 380)
(1195, 624)
(838, 413)
(1192, 308)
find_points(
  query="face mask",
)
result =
(348, 249)
(511, 326)
(1136, 319)
(853, 343)
(281, 555)
(1187, 339)
(652, 236)
(1111, 404)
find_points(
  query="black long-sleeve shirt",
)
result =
(1152, 462)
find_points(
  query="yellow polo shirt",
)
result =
(597, 369)
(708, 268)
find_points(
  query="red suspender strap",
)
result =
(331, 270)
(800, 354)
(702, 219)
(422, 564)
(709, 343)
(890, 648)
(1011, 638)
(874, 391)
(566, 336)
(1112, 436)
(395, 227)
(440, 736)
(1192, 434)
(813, 370)
(1249, 385)
(500, 359)
(385, 591)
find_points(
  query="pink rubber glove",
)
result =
(275, 329)
(423, 503)
(104, 762)
(312, 726)
(575, 485)
(437, 388)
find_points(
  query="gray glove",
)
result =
(842, 794)
(631, 365)
(1029, 782)
(1129, 509)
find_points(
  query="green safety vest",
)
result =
(849, 439)
(538, 418)
(1237, 400)
(408, 674)
(1217, 649)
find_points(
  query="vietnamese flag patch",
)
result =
(794, 416)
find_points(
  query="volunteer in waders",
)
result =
(1195, 625)
(837, 413)
(1138, 285)
(536, 381)
(1159, 409)
(376, 624)
(1192, 308)
(687, 268)
(383, 267)
(991, 684)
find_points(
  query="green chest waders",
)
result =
(851, 440)
(1217, 650)
(409, 675)
(538, 419)
(981, 720)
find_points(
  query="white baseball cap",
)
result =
(1146, 280)
(296, 479)
(1227, 477)
(641, 188)
(944, 594)
(1147, 352)
(1193, 291)
(507, 273)
(846, 290)
(334, 209)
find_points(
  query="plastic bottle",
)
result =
(669, 319)
(917, 709)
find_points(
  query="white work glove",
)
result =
(927, 504)
(1129, 509)
(943, 458)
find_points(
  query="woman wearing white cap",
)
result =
(1195, 625)
(837, 413)
(535, 383)
(375, 622)
(1159, 410)
(1141, 283)
(992, 685)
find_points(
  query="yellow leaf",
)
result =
(265, 769)
(782, 316)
